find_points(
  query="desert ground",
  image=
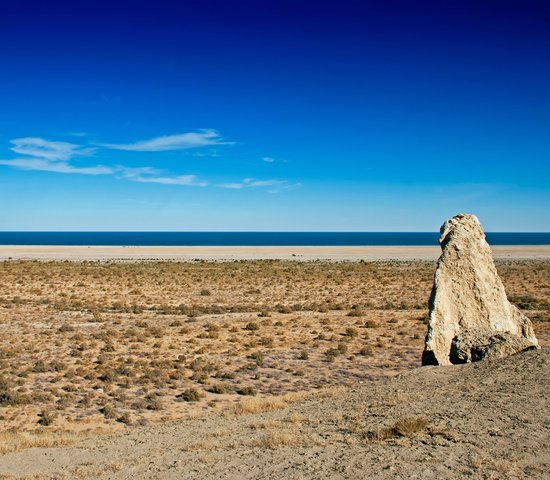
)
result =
(481, 421)
(138, 347)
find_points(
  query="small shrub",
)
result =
(10, 397)
(46, 418)
(153, 402)
(352, 332)
(366, 351)
(247, 391)
(219, 388)
(125, 418)
(331, 355)
(258, 358)
(190, 395)
(66, 328)
(199, 377)
(108, 411)
(197, 364)
(155, 331)
(108, 376)
(404, 427)
(267, 342)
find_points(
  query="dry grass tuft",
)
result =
(409, 426)
(275, 440)
(267, 404)
(15, 441)
(404, 427)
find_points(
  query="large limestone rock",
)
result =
(470, 316)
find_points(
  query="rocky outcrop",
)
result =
(470, 316)
(474, 346)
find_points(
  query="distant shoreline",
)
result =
(230, 253)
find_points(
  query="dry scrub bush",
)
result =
(247, 391)
(46, 418)
(303, 355)
(190, 395)
(404, 427)
(218, 388)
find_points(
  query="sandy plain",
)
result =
(105, 346)
(308, 253)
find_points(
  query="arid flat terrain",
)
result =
(231, 253)
(98, 347)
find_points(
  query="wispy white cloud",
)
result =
(54, 156)
(206, 154)
(187, 180)
(45, 165)
(250, 182)
(44, 155)
(152, 175)
(131, 172)
(274, 185)
(180, 141)
(53, 151)
(47, 156)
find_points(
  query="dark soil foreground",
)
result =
(484, 420)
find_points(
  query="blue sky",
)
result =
(274, 115)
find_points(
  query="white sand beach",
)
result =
(228, 253)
